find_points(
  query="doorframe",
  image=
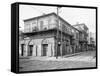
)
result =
(42, 50)
(29, 50)
(22, 51)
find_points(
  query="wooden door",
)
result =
(45, 49)
(30, 50)
(58, 50)
(22, 49)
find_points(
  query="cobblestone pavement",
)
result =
(82, 60)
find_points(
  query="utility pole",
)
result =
(57, 32)
(61, 41)
(57, 36)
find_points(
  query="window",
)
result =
(46, 22)
(30, 52)
(70, 30)
(35, 28)
(63, 28)
(41, 24)
(77, 35)
(45, 28)
(27, 27)
(33, 24)
(66, 28)
(56, 21)
(22, 49)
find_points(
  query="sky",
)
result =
(71, 15)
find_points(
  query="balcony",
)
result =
(35, 29)
(83, 40)
(75, 36)
(66, 32)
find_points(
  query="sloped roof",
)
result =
(81, 24)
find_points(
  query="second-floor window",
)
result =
(41, 24)
(33, 24)
(70, 30)
(35, 28)
(27, 28)
(63, 28)
(77, 35)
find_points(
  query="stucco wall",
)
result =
(37, 46)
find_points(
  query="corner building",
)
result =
(40, 37)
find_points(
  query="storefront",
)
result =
(37, 47)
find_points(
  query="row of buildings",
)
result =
(47, 36)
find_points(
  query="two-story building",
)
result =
(75, 40)
(40, 36)
(83, 36)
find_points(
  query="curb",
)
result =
(73, 54)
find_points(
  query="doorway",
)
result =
(58, 50)
(30, 50)
(45, 49)
(22, 49)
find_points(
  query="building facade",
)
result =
(92, 41)
(44, 33)
(83, 36)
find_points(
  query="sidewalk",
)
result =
(72, 57)
(54, 58)
(79, 58)
(82, 56)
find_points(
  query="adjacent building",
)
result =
(92, 41)
(83, 34)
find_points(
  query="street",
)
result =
(85, 59)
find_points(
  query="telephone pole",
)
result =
(57, 36)
(61, 40)
(57, 32)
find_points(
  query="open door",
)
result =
(30, 50)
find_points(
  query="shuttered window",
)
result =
(41, 25)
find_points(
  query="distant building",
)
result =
(92, 40)
(40, 37)
(92, 37)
